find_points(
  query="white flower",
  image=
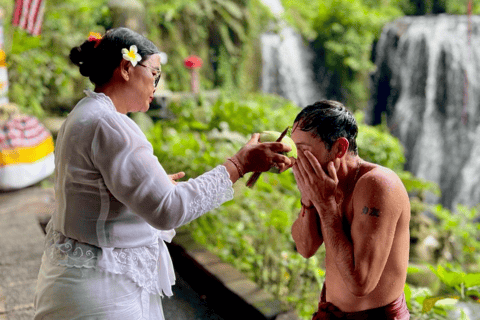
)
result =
(131, 55)
(163, 58)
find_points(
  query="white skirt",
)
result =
(67, 293)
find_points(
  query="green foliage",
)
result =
(458, 234)
(459, 286)
(378, 146)
(224, 33)
(39, 68)
(345, 31)
(415, 298)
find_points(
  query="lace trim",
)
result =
(141, 265)
(101, 97)
(216, 188)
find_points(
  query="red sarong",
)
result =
(397, 310)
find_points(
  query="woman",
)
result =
(105, 255)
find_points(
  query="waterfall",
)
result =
(426, 68)
(287, 63)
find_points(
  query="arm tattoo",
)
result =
(374, 212)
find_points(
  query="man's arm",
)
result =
(307, 232)
(361, 259)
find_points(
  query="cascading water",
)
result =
(287, 63)
(427, 76)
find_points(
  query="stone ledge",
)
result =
(229, 292)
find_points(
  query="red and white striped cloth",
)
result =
(28, 15)
(22, 132)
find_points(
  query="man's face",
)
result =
(305, 141)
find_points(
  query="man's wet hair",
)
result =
(329, 120)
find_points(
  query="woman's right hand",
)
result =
(259, 157)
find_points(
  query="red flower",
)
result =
(95, 37)
(193, 62)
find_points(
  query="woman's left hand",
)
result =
(176, 176)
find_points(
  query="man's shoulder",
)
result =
(376, 178)
(377, 190)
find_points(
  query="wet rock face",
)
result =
(427, 79)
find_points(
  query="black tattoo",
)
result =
(374, 212)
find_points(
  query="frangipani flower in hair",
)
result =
(131, 55)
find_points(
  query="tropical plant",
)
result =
(38, 67)
(458, 287)
(223, 32)
(458, 234)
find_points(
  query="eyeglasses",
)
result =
(157, 77)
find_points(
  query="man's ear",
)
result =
(340, 147)
(125, 69)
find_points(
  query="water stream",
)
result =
(287, 62)
(427, 80)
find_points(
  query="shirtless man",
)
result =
(360, 210)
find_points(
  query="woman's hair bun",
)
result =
(98, 60)
(83, 57)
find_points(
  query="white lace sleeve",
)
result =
(204, 193)
(215, 189)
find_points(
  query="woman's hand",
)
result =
(260, 157)
(314, 184)
(176, 176)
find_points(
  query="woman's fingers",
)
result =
(280, 159)
(176, 176)
(277, 146)
(285, 167)
(254, 139)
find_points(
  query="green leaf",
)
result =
(472, 280)
(429, 303)
(408, 296)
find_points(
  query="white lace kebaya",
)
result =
(115, 204)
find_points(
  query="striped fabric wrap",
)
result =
(26, 152)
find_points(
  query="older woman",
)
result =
(105, 254)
